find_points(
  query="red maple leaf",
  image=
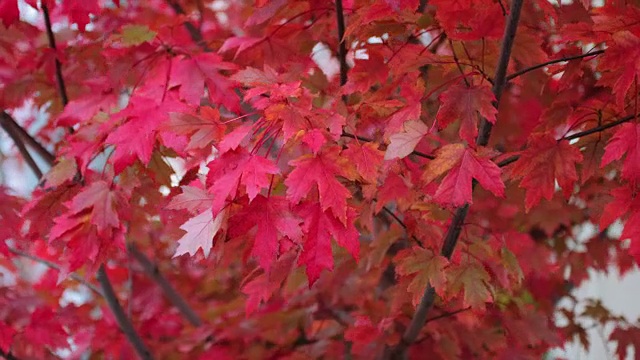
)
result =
(463, 103)
(546, 161)
(625, 142)
(320, 171)
(462, 165)
(318, 228)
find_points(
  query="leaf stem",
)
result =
(121, 318)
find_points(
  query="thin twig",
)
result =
(448, 314)
(52, 44)
(31, 141)
(600, 128)
(550, 62)
(123, 321)
(453, 233)
(342, 49)
(57, 267)
(364, 139)
(169, 291)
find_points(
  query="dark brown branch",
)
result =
(448, 314)
(123, 321)
(194, 31)
(550, 62)
(29, 140)
(52, 44)
(169, 291)
(453, 233)
(342, 48)
(499, 78)
(8, 355)
(577, 135)
(600, 128)
(6, 124)
(57, 267)
(360, 138)
(422, 6)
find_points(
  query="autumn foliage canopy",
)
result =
(304, 179)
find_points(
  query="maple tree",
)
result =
(207, 188)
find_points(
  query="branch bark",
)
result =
(342, 49)
(453, 232)
(7, 124)
(121, 318)
(169, 291)
(52, 44)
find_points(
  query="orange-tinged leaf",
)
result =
(473, 280)
(366, 158)
(455, 188)
(428, 269)
(102, 200)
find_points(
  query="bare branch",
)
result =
(600, 128)
(7, 125)
(52, 44)
(57, 267)
(123, 321)
(550, 62)
(342, 49)
(169, 291)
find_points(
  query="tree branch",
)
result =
(600, 128)
(57, 267)
(52, 44)
(342, 49)
(453, 233)
(8, 355)
(6, 122)
(550, 62)
(194, 32)
(169, 291)
(448, 314)
(123, 321)
(28, 139)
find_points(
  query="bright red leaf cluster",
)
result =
(296, 179)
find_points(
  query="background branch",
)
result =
(52, 44)
(6, 122)
(57, 267)
(169, 291)
(123, 321)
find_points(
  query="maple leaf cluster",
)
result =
(207, 188)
